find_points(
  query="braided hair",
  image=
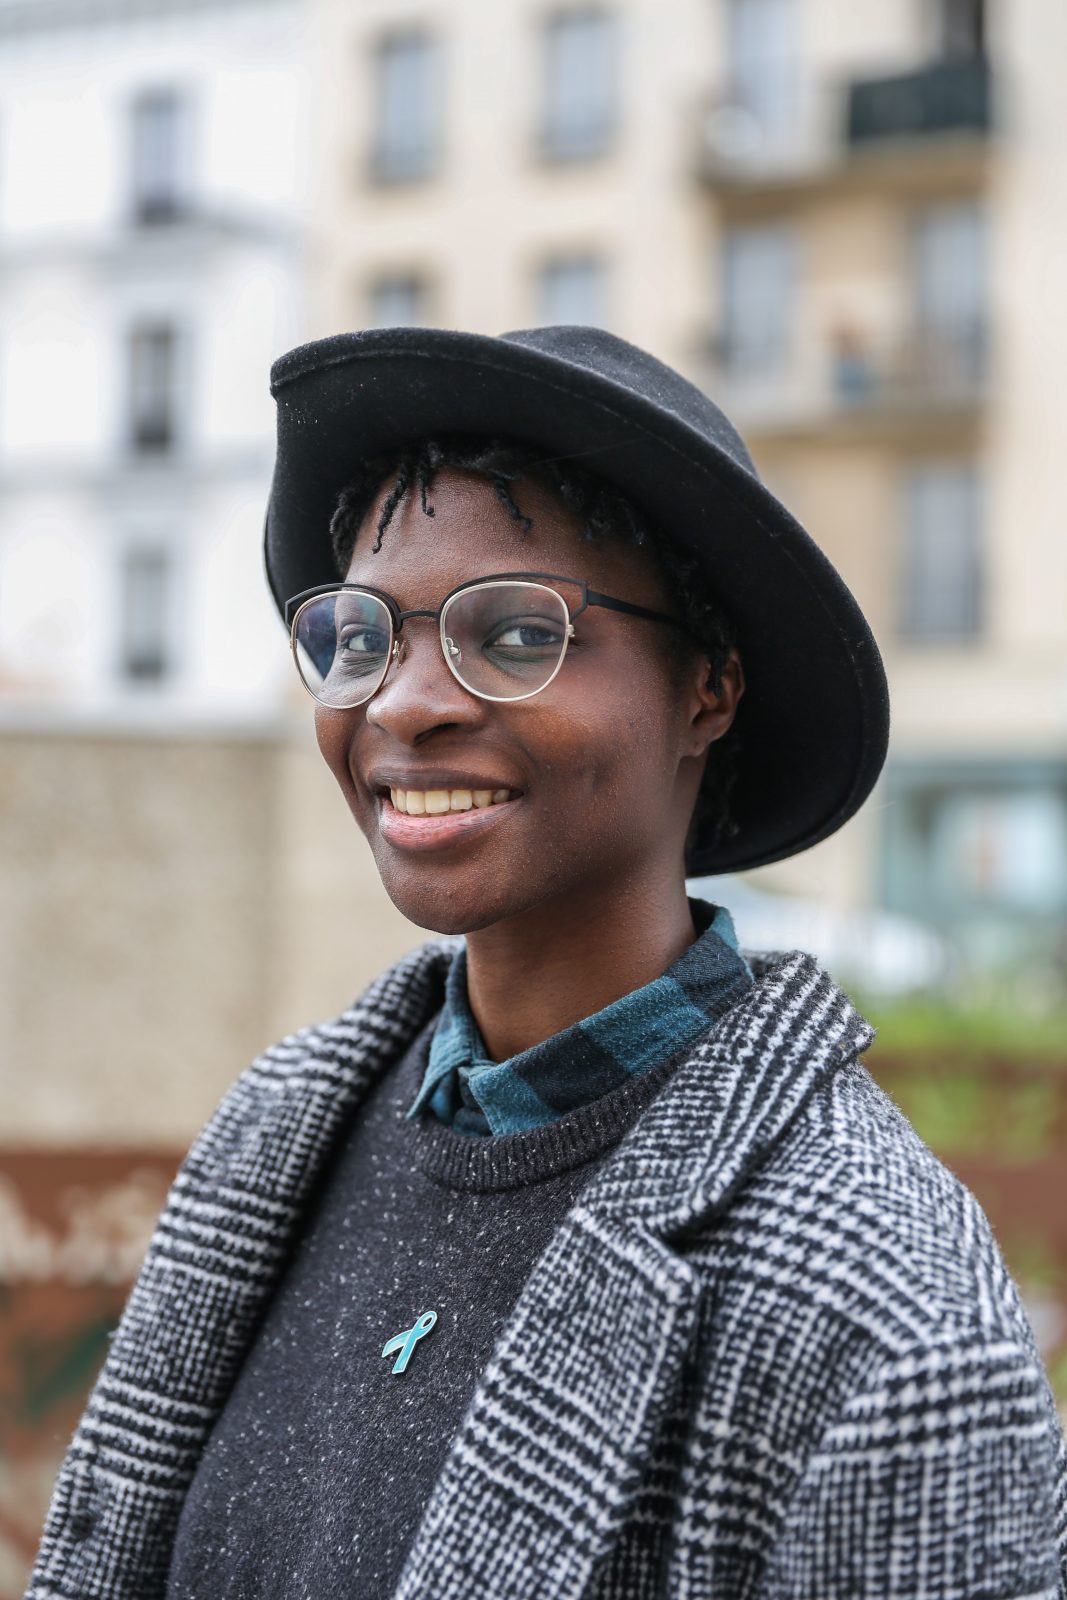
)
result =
(607, 516)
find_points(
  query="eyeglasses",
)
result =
(504, 637)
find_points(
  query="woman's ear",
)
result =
(711, 711)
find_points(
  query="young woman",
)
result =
(581, 1256)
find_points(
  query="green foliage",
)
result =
(1057, 1373)
(967, 1112)
(932, 1027)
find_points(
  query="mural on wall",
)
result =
(74, 1227)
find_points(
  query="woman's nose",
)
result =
(419, 692)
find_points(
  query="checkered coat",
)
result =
(772, 1351)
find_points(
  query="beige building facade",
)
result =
(847, 223)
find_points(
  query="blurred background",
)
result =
(848, 222)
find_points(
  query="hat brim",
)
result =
(813, 723)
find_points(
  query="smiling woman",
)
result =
(597, 725)
(673, 1299)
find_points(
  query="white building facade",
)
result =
(152, 168)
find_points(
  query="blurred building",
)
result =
(846, 223)
(158, 883)
(150, 266)
(162, 875)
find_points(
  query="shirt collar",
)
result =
(466, 1089)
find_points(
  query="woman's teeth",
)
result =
(435, 802)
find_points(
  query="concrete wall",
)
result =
(172, 904)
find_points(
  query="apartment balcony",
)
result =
(915, 133)
(851, 386)
(950, 97)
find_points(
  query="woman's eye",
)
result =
(363, 641)
(524, 636)
(361, 650)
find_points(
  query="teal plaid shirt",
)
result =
(475, 1095)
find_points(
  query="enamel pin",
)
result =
(405, 1342)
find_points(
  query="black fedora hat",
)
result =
(813, 724)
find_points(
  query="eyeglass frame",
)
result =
(590, 597)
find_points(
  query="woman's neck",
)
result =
(533, 976)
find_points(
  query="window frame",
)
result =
(912, 627)
(556, 143)
(560, 260)
(384, 167)
(141, 446)
(134, 546)
(171, 203)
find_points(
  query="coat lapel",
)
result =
(551, 1452)
(543, 1468)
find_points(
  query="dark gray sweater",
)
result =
(318, 1469)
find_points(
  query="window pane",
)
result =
(572, 290)
(146, 581)
(581, 83)
(941, 567)
(951, 288)
(759, 274)
(979, 850)
(408, 111)
(153, 384)
(156, 133)
(398, 302)
(961, 27)
(763, 63)
(1007, 848)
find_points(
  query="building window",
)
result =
(941, 558)
(398, 300)
(157, 148)
(573, 290)
(407, 136)
(581, 84)
(979, 850)
(762, 46)
(146, 581)
(950, 288)
(961, 27)
(153, 388)
(758, 283)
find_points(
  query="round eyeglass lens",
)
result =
(342, 643)
(505, 639)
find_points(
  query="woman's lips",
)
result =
(436, 832)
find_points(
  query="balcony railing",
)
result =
(849, 376)
(947, 97)
(836, 127)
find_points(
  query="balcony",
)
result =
(861, 135)
(852, 385)
(949, 97)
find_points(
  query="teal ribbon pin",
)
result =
(405, 1342)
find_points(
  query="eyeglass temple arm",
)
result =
(594, 599)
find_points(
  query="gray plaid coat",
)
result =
(772, 1350)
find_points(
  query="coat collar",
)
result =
(727, 1103)
(734, 1096)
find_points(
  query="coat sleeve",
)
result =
(945, 1480)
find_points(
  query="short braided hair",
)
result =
(607, 515)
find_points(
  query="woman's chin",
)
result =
(440, 910)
